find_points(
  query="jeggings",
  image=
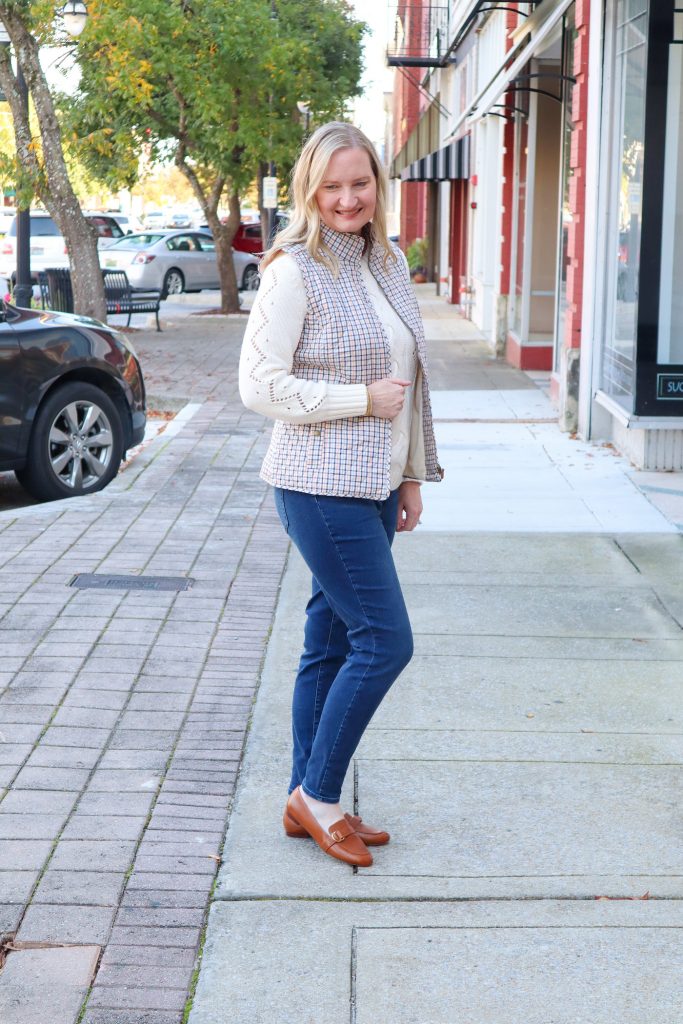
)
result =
(357, 638)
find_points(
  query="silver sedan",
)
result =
(175, 262)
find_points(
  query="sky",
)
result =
(378, 79)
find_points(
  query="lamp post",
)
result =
(23, 289)
(304, 107)
(74, 14)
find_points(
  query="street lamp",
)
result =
(74, 15)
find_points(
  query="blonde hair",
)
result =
(307, 176)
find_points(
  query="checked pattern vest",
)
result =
(343, 341)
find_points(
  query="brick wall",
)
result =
(413, 211)
(408, 105)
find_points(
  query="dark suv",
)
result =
(72, 401)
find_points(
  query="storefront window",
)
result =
(623, 236)
(670, 334)
(568, 39)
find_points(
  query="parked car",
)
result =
(48, 248)
(129, 224)
(154, 219)
(175, 262)
(107, 227)
(72, 401)
(248, 237)
(7, 215)
(178, 219)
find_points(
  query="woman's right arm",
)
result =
(266, 382)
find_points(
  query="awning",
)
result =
(540, 24)
(445, 164)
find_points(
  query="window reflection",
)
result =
(670, 341)
(626, 199)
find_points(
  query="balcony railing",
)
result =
(419, 33)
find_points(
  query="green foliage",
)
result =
(417, 255)
(209, 82)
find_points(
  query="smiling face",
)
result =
(347, 194)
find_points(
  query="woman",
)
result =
(334, 353)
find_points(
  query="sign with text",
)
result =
(670, 385)
(270, 193)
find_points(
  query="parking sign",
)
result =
(270, 193)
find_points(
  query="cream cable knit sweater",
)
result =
(268, 386)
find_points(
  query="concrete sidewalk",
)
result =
(527, 763)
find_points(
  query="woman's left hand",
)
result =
(409, 506)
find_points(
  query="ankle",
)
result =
(325, 813)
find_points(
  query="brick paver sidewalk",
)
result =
(123, 713)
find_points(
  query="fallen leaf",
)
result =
(645, 896)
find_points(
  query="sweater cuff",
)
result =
(346, 400)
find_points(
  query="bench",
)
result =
(55, 289)
(122, 298)
(56, 293)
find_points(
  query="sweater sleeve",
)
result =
(266, 382)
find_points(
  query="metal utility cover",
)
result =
(94, 581)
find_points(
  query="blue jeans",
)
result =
(357, 638)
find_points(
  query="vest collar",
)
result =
(344, 244)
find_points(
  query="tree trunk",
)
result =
(223, 234)
(52, 184)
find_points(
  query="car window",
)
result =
(252, 231)
(106, 227)
(142, 241)
(40, 227)
(206, 243)
(182, 243)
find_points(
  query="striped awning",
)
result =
(445, 164)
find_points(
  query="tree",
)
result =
(213, 86)
(41, 165)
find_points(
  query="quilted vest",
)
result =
(343, 341)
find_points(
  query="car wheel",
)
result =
(250, 278)
(174, 283)
(76, 444)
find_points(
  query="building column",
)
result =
(508, 198)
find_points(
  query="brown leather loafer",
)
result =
(370, 836)
(340, 841)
